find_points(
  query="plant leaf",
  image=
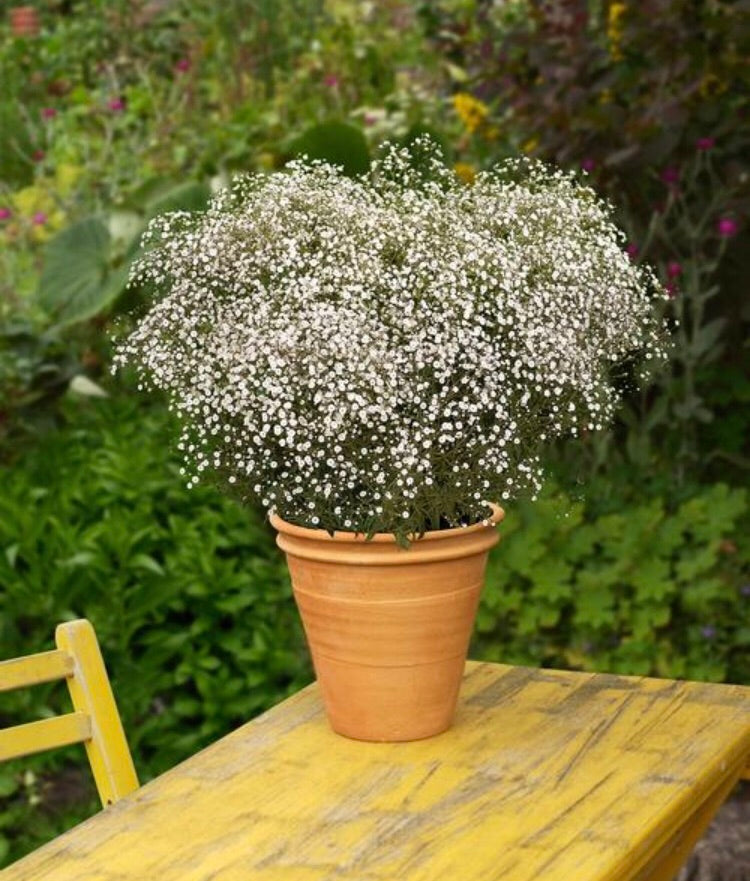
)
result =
(73, 284)
(335, 142)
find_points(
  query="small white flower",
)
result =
(343, 349)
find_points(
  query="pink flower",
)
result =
(588, 164)
(183, 65)
(632, 250)
(368, 119)
(705, 143)
(5, 214)
(39, 219)
(116, 104)
(673, 269)
(727, 227)
(331, 80)
(670, 175)
(48, 112)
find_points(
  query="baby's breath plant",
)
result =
(389, 353)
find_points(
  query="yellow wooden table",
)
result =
(546, 775)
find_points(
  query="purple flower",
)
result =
(116, 104)
(727, 227)
(670, 175)
(705, 143)
(331, 80)
(745, 590)
(588, 164)
(708, 632)
(183, 65)
(5, 214)
(48, 112)
(39, 219)
(673, 269)
(632, 250)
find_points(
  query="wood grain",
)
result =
(545, 775)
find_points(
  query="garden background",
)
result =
(635, 560)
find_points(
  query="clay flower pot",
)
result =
(388, 627)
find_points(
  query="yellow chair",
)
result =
(95, 721)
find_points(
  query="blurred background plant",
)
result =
(635, 560)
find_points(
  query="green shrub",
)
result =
(638, 591)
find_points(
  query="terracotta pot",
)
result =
(388, 628)
(24, 21)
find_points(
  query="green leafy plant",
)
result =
(641, 590)
(36, 368)
(85, 268)
(338, 143)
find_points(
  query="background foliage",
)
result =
(635, 560)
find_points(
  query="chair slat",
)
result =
(35, 669)
(91, 693)
(33, 737)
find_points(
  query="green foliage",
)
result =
(84, 271)
(643, 590)
(35, 369)
(338, 143)
(75, 282)
(187, 591)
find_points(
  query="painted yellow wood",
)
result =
(34, 737)
(546, 775)
(35, 669)
(667, 863)
(96, 722)
(90, 691)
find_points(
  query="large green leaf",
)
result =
(76, 282)
(336, 142)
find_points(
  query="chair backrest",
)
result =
(95, 721)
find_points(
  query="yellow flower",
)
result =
(471, 111)
(465, 171)
(530, 145)
(605, 96)
(615, 29)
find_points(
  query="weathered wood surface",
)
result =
(545, 775)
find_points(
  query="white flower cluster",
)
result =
(387, 353)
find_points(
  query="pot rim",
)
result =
(284, 527)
